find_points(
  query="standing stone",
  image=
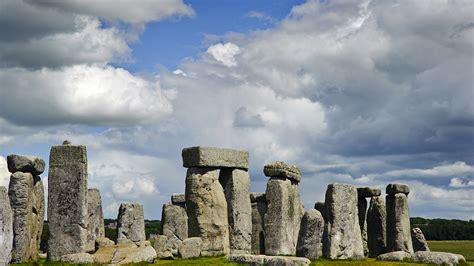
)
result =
(191, 248)
(342, 237)
(419, 241)
(398, 223)
(310, 236)
(95, 226)
(207, 210)
(362, 208)
(283, 217)
(67, 200)
(259, 208)
(376, 227)
(236, 184)
(20, 192)
(174, 225)
(130, 223)
(320, 207)
(38, 215)
(6, 227)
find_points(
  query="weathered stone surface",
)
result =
(161, 247)
(362, 208)
(311, 234)
(320, 207)
(95, 226)
(38, 215)
(78, 258)
(259, 208)
(174, 222)
(257, 197)
(342, 237)
(67, 201)
(376, 227)
(367, 192)
(130, 223)
(20, 192)
(6, 227)
(206, 207)
(393, 189)
(398, 224)
(190, 248)
(103, 242)
(179, 199)
(236, 184)
(418, 240)
(268, 260)
(215, 158)
(395, 256)
(282, 170)
(439, 258)
(25, 164)
(125, 253)
(283, 217)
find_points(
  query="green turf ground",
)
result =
(465, 248)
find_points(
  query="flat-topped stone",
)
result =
(178, 199)
(257, 197)
(268, 260)
(438, 258)
(282, 170)
(367, 192)
(215, 157)
(397, 188)
(25, 163)
(395, 256)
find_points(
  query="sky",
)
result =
(360, 92)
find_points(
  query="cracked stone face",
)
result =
(130, 223)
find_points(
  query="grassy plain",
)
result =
(465, 248)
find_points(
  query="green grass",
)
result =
(465, 248)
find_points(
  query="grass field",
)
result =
(465, 248)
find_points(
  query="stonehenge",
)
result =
(398, 219)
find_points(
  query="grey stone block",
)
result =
(215, 157)
(25, 163)
(282, 170)
(393, 189)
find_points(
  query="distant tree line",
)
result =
(443, 229)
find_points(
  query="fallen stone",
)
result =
(179, 199)
(6, 227)
(206, 207)
(174, 225)
(95, 226)
(367, 192)
(215, 158)
(67, 201)
(161, 247)
(393, 189)
(259, 208)
(362, 207)
(282, 170)
(268, 260)
(398, 223)
(236, 184)
(418, 240)
(247, 259)
(342, 236)
(25, 164)
(376, 227)
(130, 223)
(320, 207)
(190, 248)
(310, 237)
(126, 253)
(438, 258)
(103, 242)
(78, 258)
(283, 217)
(395, 256)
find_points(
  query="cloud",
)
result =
(461, 182)
(457, 168)
(260, 16)
(82, 94)
(4, 173)
(224, 53)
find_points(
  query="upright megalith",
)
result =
(342, 237)
(236, 184)
(174, 225)
(206, 207)
(95, 225)
(362, 194)
(310, 237)
(419, 240)
(130, 223)
(67, 200)
(26, 194)
(284, 209)
(398, 219)
(6, 227)
(376, 227)
(259, 208)
(320, 207)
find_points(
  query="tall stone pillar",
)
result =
(259, 208)
(130, 223)
(26, 194)
(236, 184)
(6, 228)
(284, 209)
(311, 235)
(342, 237)
(376, 227)
(95, 226)
(398, 219)
(362, 194)
(67, 200)
(174, 225)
